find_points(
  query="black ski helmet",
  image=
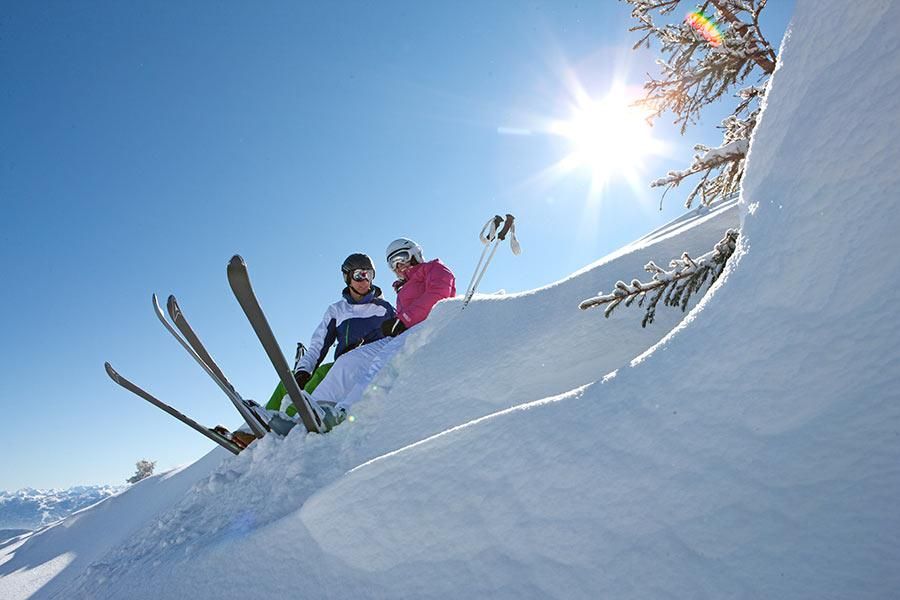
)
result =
(357, 260)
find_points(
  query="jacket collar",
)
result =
(399, 282)
(374, 293)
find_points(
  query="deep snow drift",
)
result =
(753, 453)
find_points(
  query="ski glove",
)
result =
(392, 327)
(302, 378)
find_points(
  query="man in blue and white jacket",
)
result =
(353, 321)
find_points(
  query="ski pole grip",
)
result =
(507, 224)
(496, 224)
(489, 231)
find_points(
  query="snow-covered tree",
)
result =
(699, 69)
(143, 469)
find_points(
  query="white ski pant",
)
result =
(353, 371)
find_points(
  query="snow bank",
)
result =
(754, 453)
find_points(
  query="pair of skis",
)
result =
(254, 415)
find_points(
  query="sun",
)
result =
(610, 138)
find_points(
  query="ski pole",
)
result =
(487, 235)
(301, 350)
(501, 235)
(508, 228)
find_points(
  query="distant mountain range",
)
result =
(28, 508)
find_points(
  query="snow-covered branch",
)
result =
(686, 276)
(764, 57)
(713, 158)
(695, 73)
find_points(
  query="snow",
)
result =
(45, 561)
(28, 508)
(751, 452)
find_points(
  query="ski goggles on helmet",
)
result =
(398, 258)
(363, 275)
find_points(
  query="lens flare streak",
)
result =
(705, 27)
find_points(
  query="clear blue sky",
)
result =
(142, 144)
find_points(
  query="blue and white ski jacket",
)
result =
(349, 323)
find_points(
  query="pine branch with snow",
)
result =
(675, 286)
(696, 73)
(726, 161)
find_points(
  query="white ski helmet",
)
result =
(403, 249)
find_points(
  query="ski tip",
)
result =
(111, 372)
(172, 306)
(237, 271)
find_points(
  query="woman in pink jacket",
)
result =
(419, 286)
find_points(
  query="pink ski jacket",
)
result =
(425, 285)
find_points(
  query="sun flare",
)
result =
(609, 137)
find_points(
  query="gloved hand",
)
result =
(392, 327)
(302, 378)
